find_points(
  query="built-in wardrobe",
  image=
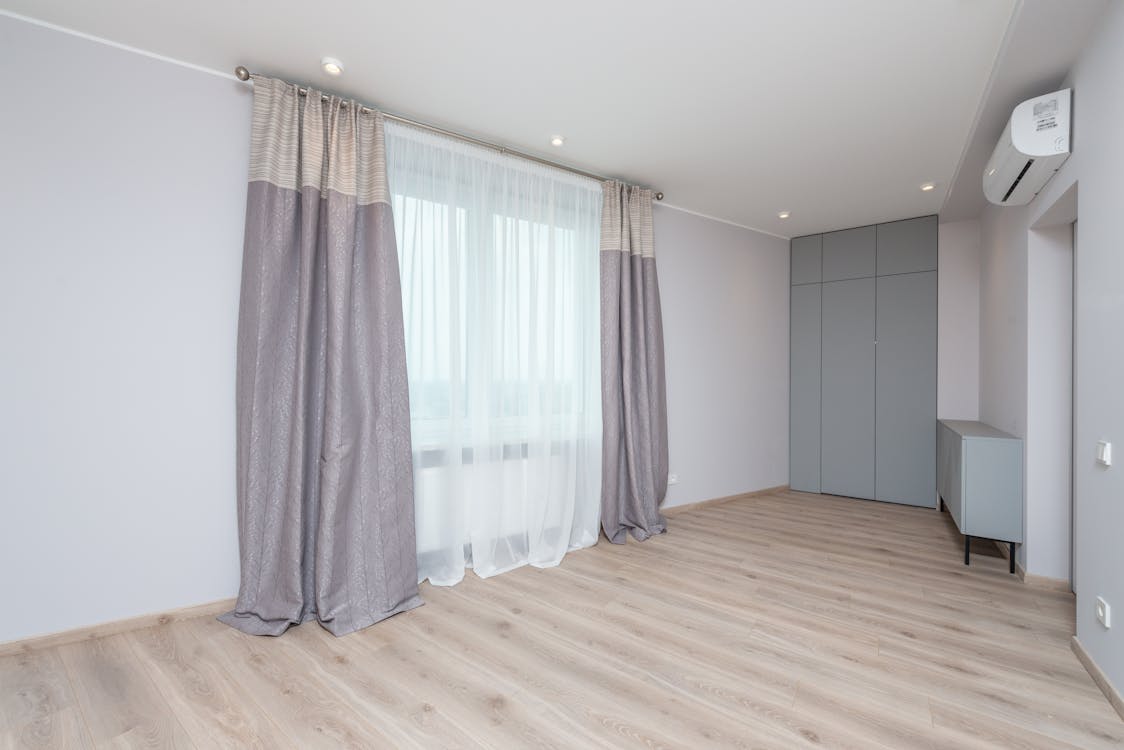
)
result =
(863, 368)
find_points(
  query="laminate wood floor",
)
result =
(778, 621)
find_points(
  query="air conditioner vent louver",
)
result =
(1018, 179)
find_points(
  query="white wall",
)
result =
(1003, 318)
(958, 320)
(1096, 164)
(121, 212)
(724, 292)
(1049, 400)
(1095, 167)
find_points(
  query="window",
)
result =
(500, 282)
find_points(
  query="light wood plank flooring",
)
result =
(776, 621)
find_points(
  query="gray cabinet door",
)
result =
(907, 246)
(849, 254)
(906, 407)
(993, 484)
(804, 389)
(847, 409)
(806, 255)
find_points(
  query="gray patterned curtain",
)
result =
(633, 390)
(325, 483)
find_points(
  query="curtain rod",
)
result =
(243, 74)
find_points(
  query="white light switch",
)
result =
(1104, 452)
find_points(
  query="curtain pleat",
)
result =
(633, 388)
(325, 481)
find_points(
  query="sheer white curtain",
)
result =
(500, 283)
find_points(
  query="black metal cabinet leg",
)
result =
(1012, 557)
(967, 547)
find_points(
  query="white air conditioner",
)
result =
(1033, 146)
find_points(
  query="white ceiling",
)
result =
(836, 111)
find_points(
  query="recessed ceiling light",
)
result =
(784, 214)
(331, 66)
(927, 186)
(557, 140)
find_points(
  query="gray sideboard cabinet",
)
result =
(980, 481)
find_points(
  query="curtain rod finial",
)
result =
(241, 73)
(659, 196)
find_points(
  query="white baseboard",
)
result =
(115, 626)
(1030, 579)
(675, 510)
(1098, 676)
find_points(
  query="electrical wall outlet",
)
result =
(1104, 612)
(673, 479)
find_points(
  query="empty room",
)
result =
(507, 374)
